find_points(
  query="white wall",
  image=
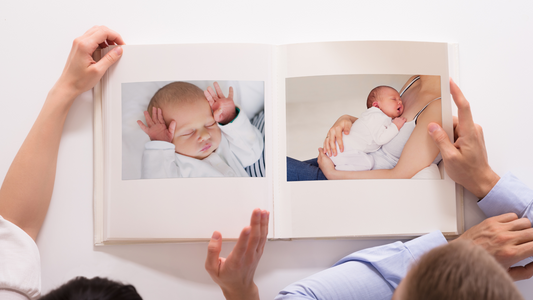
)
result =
(495, 74)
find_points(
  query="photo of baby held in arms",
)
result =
(193, 129)
(376, 127)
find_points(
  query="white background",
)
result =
(496, 63)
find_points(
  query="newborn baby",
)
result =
(197, 134)
(379, 124)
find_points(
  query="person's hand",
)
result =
(156, 128)
(223, 107)
(325, 163)
(399, 122)
(466, 160)
(342, 125)
(81, 72)
(507, 238)
(235, 274)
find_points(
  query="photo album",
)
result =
(330, 137)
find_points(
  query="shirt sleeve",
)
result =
(508, 195)
(20, 264)
(371, 274)
(382, 129)
(159, 161)
(245, 141)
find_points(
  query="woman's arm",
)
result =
(27, 188)
(342, 125)
(418, 153)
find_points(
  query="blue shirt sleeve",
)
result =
(371, 274)
(508, 195)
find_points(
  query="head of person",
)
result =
(81, 288)
(197, 134)
(387, 99)
(458, 271)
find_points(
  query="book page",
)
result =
(324, 81)
(198, 180)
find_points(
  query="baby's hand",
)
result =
(399, 122)
(157, 129)
(223, 108)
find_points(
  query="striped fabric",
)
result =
(258, 168)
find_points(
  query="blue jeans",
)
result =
(303, 170)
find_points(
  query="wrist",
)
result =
(250, 293)
(485, 184)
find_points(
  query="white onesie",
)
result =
(241, 145)
(368, 133)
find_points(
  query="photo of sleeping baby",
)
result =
(192, 129)
(362, 127)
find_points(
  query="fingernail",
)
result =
(215, 236)
(432, 127)
(118, 50)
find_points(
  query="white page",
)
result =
(364, 207)
(181, 208)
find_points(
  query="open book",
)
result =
(286, 98)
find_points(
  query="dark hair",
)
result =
(461, 271)
(81, 288)
(374, 93)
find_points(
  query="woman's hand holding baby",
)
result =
(399, 122)
(342, 125)
(157, 128)
(223, 108)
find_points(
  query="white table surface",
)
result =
(496, 63)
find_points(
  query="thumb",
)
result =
(441, 139)
(213, 251)
(109, 59)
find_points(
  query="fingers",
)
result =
(102, 34)
(338, 138)
(242, 243)
(504, 218)
(209, 97)
(447, 149)
(521, 273)
(160, 116)
(265, 215)
(219, 90)
(463, 107)
(519, 224)
(212, 261)
(255, 234)
(143, 127)
(109, 59)
(149, 121)
(230, 95)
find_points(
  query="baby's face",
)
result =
(197, 133)
(390, 103)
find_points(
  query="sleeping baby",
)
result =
(197, 134)
(379, 124)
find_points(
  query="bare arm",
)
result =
(27, 188)
(342, 125)
(418, 153)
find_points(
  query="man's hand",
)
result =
(235, 274)
(507, 238)
(466, 160)
(156, 128)
(223, 108)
